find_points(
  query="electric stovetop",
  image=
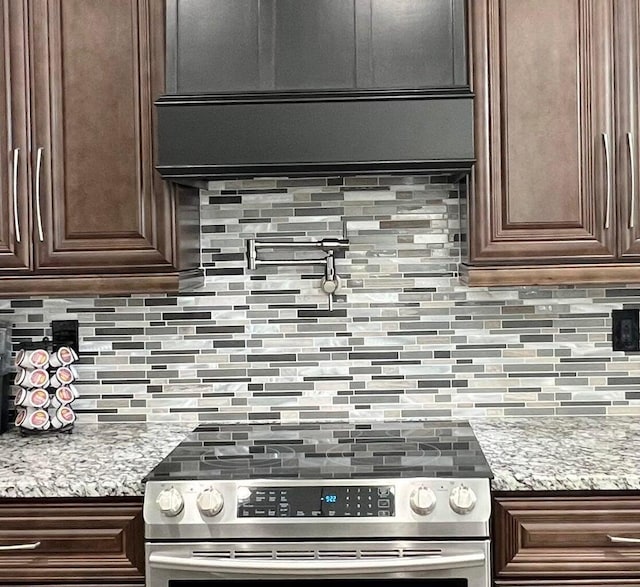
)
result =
(329, 450)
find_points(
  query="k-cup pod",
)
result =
(64, 416)
(36, 398)
(34, 359)
(63, 376)
(28, 378)
(21, 396)
(36, 419)
(20, 376)
(62, 357)
(72, 388)
(63, 396)
(21, 414)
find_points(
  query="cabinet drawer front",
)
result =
(80, 540)
(557, 537)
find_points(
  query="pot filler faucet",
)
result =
(330, 282)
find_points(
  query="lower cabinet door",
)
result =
(80, 542)
(557, 541)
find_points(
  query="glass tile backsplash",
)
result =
(404, 339)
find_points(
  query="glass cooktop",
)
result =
(326, 451)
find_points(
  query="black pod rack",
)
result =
(49, 346)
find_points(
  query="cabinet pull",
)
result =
(607, 164)
(30, 546)
(16, 220)
(624, 540)
(632, 190)
(38, 211)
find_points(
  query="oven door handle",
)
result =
(257, 567)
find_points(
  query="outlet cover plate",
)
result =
(625, 330)
(65, 333)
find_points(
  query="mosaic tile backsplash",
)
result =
(404, 339)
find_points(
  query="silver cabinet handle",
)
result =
(38, 211)
(16, 219)
(632, 190)
(607, 163)
(261, 567)
(30, 546)
(623, 540)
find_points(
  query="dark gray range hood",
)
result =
(202, 138)
(301, 87)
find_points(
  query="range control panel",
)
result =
(313, 508)
(307, 502)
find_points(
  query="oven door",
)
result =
(304, 564)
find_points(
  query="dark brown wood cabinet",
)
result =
(554, 195)
(83, 542)
(83, 209)
(560, 540)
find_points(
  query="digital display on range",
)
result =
(305, 502)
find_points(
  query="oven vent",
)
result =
(318, 554)
(399, 553)
(213, 553)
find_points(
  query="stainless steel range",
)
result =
(377, 501)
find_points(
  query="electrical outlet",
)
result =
(65, 333)
(625, 330)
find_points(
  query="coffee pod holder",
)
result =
(45, 379)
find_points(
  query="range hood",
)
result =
(218, 137)
(314, 87)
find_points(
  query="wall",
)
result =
(404, 339)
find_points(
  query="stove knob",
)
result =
(462, 499)
(210, 502)
(422, 500)
(170, 502)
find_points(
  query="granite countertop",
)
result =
(543, 454)
(94, 460)
(562, 453)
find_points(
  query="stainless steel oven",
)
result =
(423, 563)
(295, 505)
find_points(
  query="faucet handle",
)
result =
(329, 244)
(330, 286)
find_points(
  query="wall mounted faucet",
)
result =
(330, 282)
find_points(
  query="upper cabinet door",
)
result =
(214, 44)
(411, 43)
(234, 46)
(97, 200)
(15, 233)
(260, 45)
(627, 13)
(544, 186)
(313, 44)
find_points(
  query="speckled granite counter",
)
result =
(562, 453)
(95, 460)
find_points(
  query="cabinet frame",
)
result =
(594, 243)
(265, 13)
(158, 250)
